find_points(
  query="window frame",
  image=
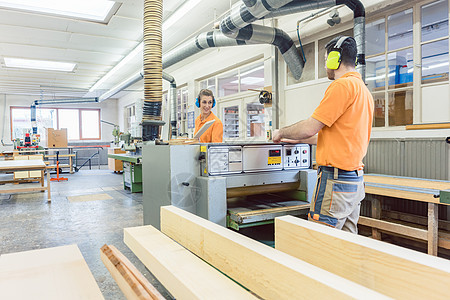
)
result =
(416, 47)
(57, 120)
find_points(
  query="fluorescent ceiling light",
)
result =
(179, 13)
(39, 64)
(138, 50)
(97, 10)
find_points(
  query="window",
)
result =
(230, 122)
(309, 68)
(129, 116)
(209, 84)
(391, 66)
(389, 72)
(251, 77)
(434, 45)
(90, 120)
(182, 100)
(400, 29)
(228, 84)
(81, 124)
(240, 80)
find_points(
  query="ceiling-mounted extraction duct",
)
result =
(151, 115)
(237, 25)
(257, 10)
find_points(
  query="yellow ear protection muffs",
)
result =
(334, 57)
(197, 100)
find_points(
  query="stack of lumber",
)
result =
(197, 259)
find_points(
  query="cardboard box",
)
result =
(256, 129)
(56, 138)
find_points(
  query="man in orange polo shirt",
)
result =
(343, 121)
(205, 101)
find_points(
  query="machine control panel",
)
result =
(262, 158)
(224, 160)
(296, 156)
(250, 158)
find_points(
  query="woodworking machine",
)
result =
(233, 185)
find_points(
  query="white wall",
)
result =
(108, 113)
(435, 104)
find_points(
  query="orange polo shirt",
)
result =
(347, 111)
(213, 134)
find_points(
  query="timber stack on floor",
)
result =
(310, 260)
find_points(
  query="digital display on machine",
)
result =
(288, 151)
(274, 152)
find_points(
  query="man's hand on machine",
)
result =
(276, 136)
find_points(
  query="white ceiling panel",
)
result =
(95, 48)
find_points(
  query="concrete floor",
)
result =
(28, 222)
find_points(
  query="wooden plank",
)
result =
(52, 273)
(416, 233)
(408, 182)
(397, 272)
(432, 234)
(269, 273)
(142, 280)
(183, 274)
(376, 214)
(129, 279)
(414, 219)
(401, 194)
(262, 189)
(21, 165)
(428, 126)
(19, 190)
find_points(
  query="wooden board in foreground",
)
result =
(183, 274)
(132, 283)
(52, 273)
(395, 271)
(269, 273)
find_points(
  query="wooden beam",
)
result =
(432, 235)
(409, 195)
(397, 272)
(428, 126)
(414, 219)
(416, 233)
(265, 271)
(132, 283)
(408, 182)
(376, 214)
(183, 274)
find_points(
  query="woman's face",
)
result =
(206, 103)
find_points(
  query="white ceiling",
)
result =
(95, 48)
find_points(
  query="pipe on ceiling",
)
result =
(173, 102)
(237, 25)
(151, 114)
(218, 39)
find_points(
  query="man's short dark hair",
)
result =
(349, 51)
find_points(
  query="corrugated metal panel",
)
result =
(423, 158)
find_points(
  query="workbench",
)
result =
(433, 192)
(52, 273)
(50, 153)
(132, 171)
(25, 165)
